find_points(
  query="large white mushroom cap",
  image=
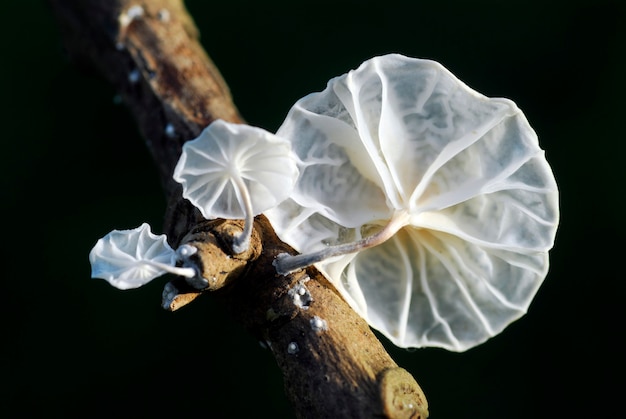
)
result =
(403, 138)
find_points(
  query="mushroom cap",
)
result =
(404, 135)
(226, 155)
(128, 258)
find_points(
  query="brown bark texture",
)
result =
(332, 363)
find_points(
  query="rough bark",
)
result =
(332, 363)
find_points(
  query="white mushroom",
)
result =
(428, 205)
(236, 171)
(131, 258)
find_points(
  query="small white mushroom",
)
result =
(318, 324)
(131, 258)
(300, 295)
(292, 348)
(163, 15)
(429, 206)
(236, 171)
(170, 292)
(134, 76)
(170, 131)
(132, 13)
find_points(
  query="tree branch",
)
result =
(332, 363)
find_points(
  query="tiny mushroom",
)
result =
(292, 348)
(133, 12)
(429, 206)
(318, 324)
(236, 171)
(131, 258)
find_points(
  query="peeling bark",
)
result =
(332, 363)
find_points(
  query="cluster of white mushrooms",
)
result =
(430, 207)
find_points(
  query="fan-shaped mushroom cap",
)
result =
(404, 137)
(229, 161)
(131, 258)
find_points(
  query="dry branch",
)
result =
(332, 363)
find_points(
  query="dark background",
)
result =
(73, 168)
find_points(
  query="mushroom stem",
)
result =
(176, 270)
(241, 241)
(286, 263)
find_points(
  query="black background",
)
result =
(74, 167)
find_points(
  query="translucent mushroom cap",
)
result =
(404, 139)
(131, 258)
(229, 161)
